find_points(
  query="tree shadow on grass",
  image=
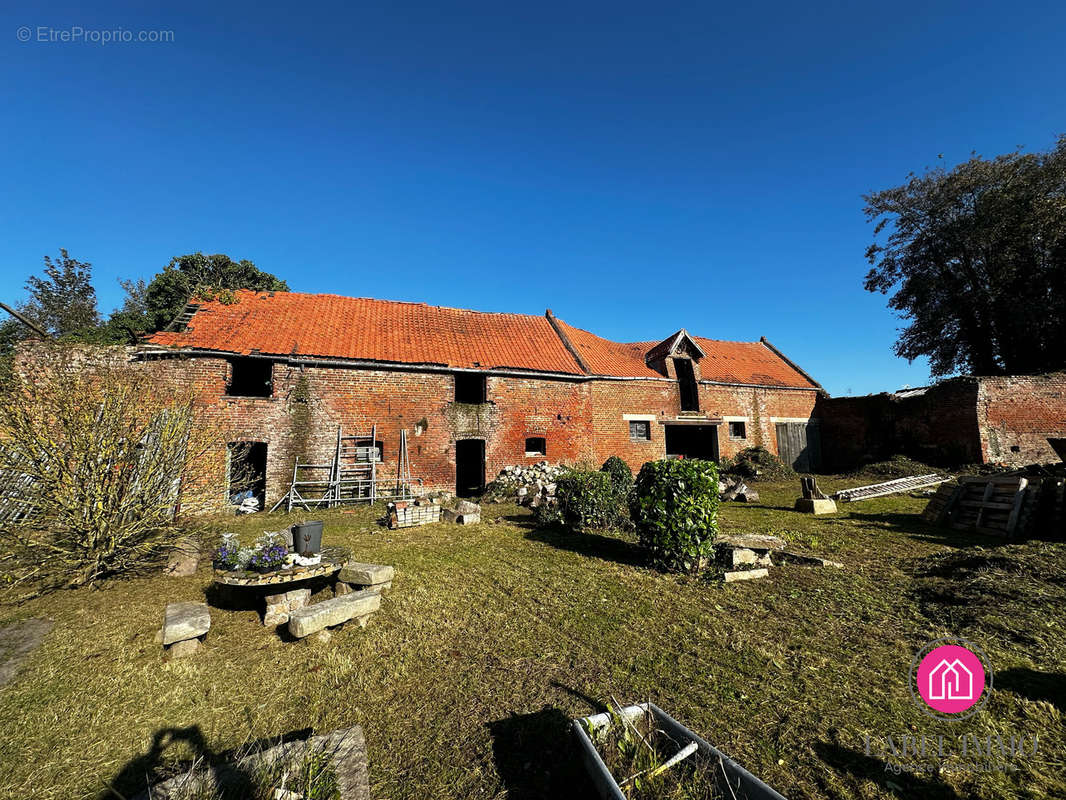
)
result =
(864, 767)
(1034, 685)
(593, 545)
(917, 528)
(133, 781)
(536, 758)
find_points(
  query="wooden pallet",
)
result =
(991, 506)
(1003, 506)
(936, 510)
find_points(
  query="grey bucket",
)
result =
(307, 538)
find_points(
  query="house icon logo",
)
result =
(949, 677)
(950, 680)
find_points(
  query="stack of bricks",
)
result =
(409, 513)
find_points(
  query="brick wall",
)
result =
(937, 426)
(1017, 415)
(613, 400)
(579, 419)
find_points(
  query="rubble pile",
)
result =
(731, 488)
(531, 485)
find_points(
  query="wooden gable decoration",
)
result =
(680, 345)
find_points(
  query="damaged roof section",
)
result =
(291, 324)
(362, 329)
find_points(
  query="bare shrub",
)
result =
(102, 468)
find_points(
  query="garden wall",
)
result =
(1017, 415)
(935, 425)
(999, 420)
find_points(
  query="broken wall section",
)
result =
(935, 425)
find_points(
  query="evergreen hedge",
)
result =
(674, 505)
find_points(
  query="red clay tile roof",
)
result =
(330, 326)
(362, 329)
(728, 362)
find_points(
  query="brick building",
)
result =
(475, 391)
(1013, 420)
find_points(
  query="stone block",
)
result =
(466, 507)
(813, 505)
(279, 606)
(461, 519)
(184, 559)
(183, 648)
(748, 496)
(752, 541)
(366, 574)
(742, 556)
(311, 619)
(746, 575)
(183, 621)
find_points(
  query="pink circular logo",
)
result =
(951, 679)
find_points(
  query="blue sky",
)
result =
(635, 168)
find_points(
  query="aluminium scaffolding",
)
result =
(351, 476)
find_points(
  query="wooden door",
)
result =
(799, 444)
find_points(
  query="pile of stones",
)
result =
(526, 485)
(730, 488)
(745, 557)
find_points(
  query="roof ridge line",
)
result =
(566, 342)
(766, 342)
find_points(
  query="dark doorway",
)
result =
(469, 467)
(247, 470)
(686, 382)
(799, 444)
(692, 441)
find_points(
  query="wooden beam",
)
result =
(24, 321)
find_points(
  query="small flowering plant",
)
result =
(269, 554)
(227, 555)
(269, 558)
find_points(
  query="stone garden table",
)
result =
(279, 582)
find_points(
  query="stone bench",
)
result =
(183, 626)
(336, 611)
(369, 576)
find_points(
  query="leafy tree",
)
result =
(195, 274)
(976, 258)
(62, 300)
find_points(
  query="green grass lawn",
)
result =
(494, 635)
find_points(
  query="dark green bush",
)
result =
(621, 475)
(674, 505)
(585, 499)
(755, 463)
